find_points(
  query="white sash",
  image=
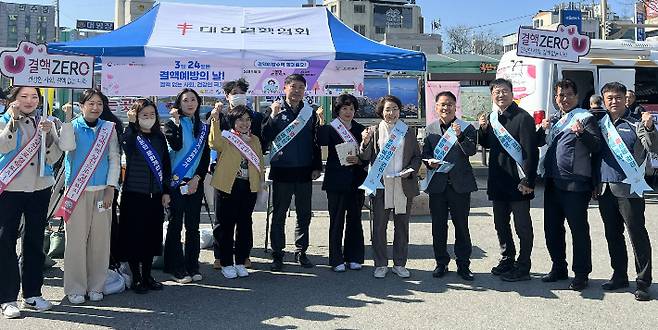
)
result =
(374, 179)
(247, 152)
(634, 173)
(343, 131)
(508, 143)
(20, 161)
(441, 150)
(86, 171)
(565, 123)
(284, 137)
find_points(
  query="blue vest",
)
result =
(188, 143)
(6, 158)
(610, 169)
(84, 140)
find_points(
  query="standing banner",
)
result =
(432, 88)
(31, 65)
(564, 44)
(165, 76)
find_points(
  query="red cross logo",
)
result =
(184, 27)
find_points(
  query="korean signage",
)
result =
(488, 67)
(95, 25)
(393, 16)
(162, 76)
(572, 17)
(565, 44)
(31, 65)
(640, 15)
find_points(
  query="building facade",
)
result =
(126, 11)
(18, 22)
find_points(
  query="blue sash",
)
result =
(507, 141)
(565, 123)
(190, 157)
(284, 137)
(374, 179)
(152, 158)
(634, 173)
(442, 149)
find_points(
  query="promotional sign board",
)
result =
(572, 17)
(31, 65)
(565, 44)
(163, 76)
(640, 16)
(94, 25)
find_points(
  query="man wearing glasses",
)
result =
(572, 136)
(509, 132)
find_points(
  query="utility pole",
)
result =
(56, 20)
(604, 18)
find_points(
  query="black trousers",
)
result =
(523, 227)
(184, 209)
(459, 206)
(345, 213)
(215, 225)
(234, 212)
(282, 193)
(34, 207)
(560, 205)
(615, 212)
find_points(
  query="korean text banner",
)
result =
(565, 44)
(31, 65)
(123, 76)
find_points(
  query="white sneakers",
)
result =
(231, 272)
(380, 272)
(241, 270)
(37, 303)
(10, 310)
(401, 271)
(355, 266)
(340, 268)
(76, 298)
(95, 296)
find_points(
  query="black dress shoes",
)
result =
(554, 276)
(277, 264)
(614, 284)
(465, 274)
(502, 268)
(139, 288)
(642, 294)
(578, 284)
(153, 285)
(303, 260)
(440, 271)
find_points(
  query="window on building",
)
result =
(333, 9)
(359, 9)
(380, 29)
(12, 30)
(360, 28)
(28, 23)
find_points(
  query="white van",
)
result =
(634, 64)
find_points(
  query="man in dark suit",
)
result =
(450, 189)
(619, 204)
(511, 182)
(573, 137)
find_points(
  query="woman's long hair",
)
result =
(197, 118)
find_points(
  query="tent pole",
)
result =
(388, 83)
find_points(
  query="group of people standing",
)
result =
(588, 154)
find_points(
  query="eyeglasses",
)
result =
(498, 92)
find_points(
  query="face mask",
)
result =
(146, 123)
(237, 99)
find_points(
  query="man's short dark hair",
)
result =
(446, 94)
(240, 83)
(613, 87)
(630, 91)
(500, 82)
(565, 84)
(596, 99)
(379, 110)
(343, 100)
(294, 77)
(236, 113)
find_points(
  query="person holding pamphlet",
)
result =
(189, 153)
(240, 176)
(92, 168)
(343, 175)
(394, 156)
(24, 193)
(448, 144)
(144, 194)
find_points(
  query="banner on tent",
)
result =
(31, 65)
(162, 76)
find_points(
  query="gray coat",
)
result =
(461, 175)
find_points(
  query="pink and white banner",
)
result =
(432, 88)
(165, 77)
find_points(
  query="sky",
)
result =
(505, 16)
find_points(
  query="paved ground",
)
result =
(319, 298)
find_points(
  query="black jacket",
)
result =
(139, 177)
(503, 174)
(174, 135)
(338, 178)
